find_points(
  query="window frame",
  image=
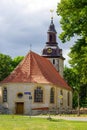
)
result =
(68, 99)
(38, 94)
(5, 94)
(52, 95)
(18, 95)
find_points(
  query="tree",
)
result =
(17, 60)
(79, 90)
(73, 18)
(5, 66)
(71, 77)
(74, 22)
(78, 61)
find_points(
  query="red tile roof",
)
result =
(36, 69)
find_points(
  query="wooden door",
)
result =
(19, 108)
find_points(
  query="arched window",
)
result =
(52, 95)
(61, 97)
(68, 98)
(5, 95)
(61, 92)
(38, 95)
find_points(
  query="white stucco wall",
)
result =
(14, 88)
(59, 64)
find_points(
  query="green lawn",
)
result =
(9, 122)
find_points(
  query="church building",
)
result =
(37, 83)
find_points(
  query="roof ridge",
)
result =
(29, 74)
(29, 57)
(36, 60)
(58, 75)
(41, 70)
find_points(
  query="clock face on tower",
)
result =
(49, 50)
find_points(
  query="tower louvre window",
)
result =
(50, 38)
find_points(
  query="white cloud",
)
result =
(25, 22)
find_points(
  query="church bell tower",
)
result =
(52, 50)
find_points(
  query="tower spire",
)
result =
(52, 50)
(51, 11)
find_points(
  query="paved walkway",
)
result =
(72, 118)
(66, 118)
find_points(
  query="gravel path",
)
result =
(72, 118)
(66, 118)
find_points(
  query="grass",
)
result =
(9, 122)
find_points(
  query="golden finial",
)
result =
(51, 10)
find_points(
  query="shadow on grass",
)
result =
(55, 120)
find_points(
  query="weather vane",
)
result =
(51, 10)
(30, 47)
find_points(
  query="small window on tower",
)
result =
(50, 38)
(53, 61)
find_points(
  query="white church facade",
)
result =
(37, 84)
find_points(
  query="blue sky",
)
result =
(25, 22)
